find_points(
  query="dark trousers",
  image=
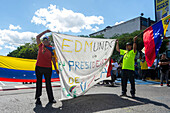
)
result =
(128, 75)
(164, 74)
(113, 75)
(144, 74)
(47, 72)
(152, 73)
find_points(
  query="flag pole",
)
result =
(140, 34)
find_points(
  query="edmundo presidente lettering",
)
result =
(71, 46)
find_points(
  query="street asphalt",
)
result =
(150, 98)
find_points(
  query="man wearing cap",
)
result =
(44, 67)
(128, 67)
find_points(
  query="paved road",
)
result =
(19, 85)
(151, 98)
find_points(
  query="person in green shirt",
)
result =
(128, 67)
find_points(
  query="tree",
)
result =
(98, 36)
(128, 37)
(29, 50)
(83, 35)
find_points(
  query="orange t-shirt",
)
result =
(44, 59)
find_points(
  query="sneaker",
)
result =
(52, 101)
(38, 102)
(133, 95)
(161, 84)
(123, 95)
(112, 84)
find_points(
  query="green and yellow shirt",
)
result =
(128, 59)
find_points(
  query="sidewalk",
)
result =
(4, 86)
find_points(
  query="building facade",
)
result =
(129, 26)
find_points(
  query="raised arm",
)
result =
(134, 44)
(117, 46)
(40, 35)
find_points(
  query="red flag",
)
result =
(109, 68)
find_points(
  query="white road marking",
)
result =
(159, 85)
(2, 83)
(53, 84)
(21, 86)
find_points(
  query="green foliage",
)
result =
(29, 51)
(83, 35)
(98, 36)
(128, 37)
(163, 46)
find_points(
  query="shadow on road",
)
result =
(47, 109)
(96, 103)
(147, 101)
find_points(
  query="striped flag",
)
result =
(153, 37)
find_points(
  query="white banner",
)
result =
(83, 62)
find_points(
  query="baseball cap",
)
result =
(45, 38)
(128, 43)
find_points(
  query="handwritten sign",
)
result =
(83, 62)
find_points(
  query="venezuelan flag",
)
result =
(52, 50)
(153, 37)
(20, 70)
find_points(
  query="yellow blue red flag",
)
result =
(153, 37)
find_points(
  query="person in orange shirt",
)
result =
(44, 67)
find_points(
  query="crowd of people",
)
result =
(130, 68)
(142, 70)
(159, 69)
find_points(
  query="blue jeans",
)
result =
(113, 75)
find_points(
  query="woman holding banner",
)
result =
(44, 67)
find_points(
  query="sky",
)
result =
(22, 19)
